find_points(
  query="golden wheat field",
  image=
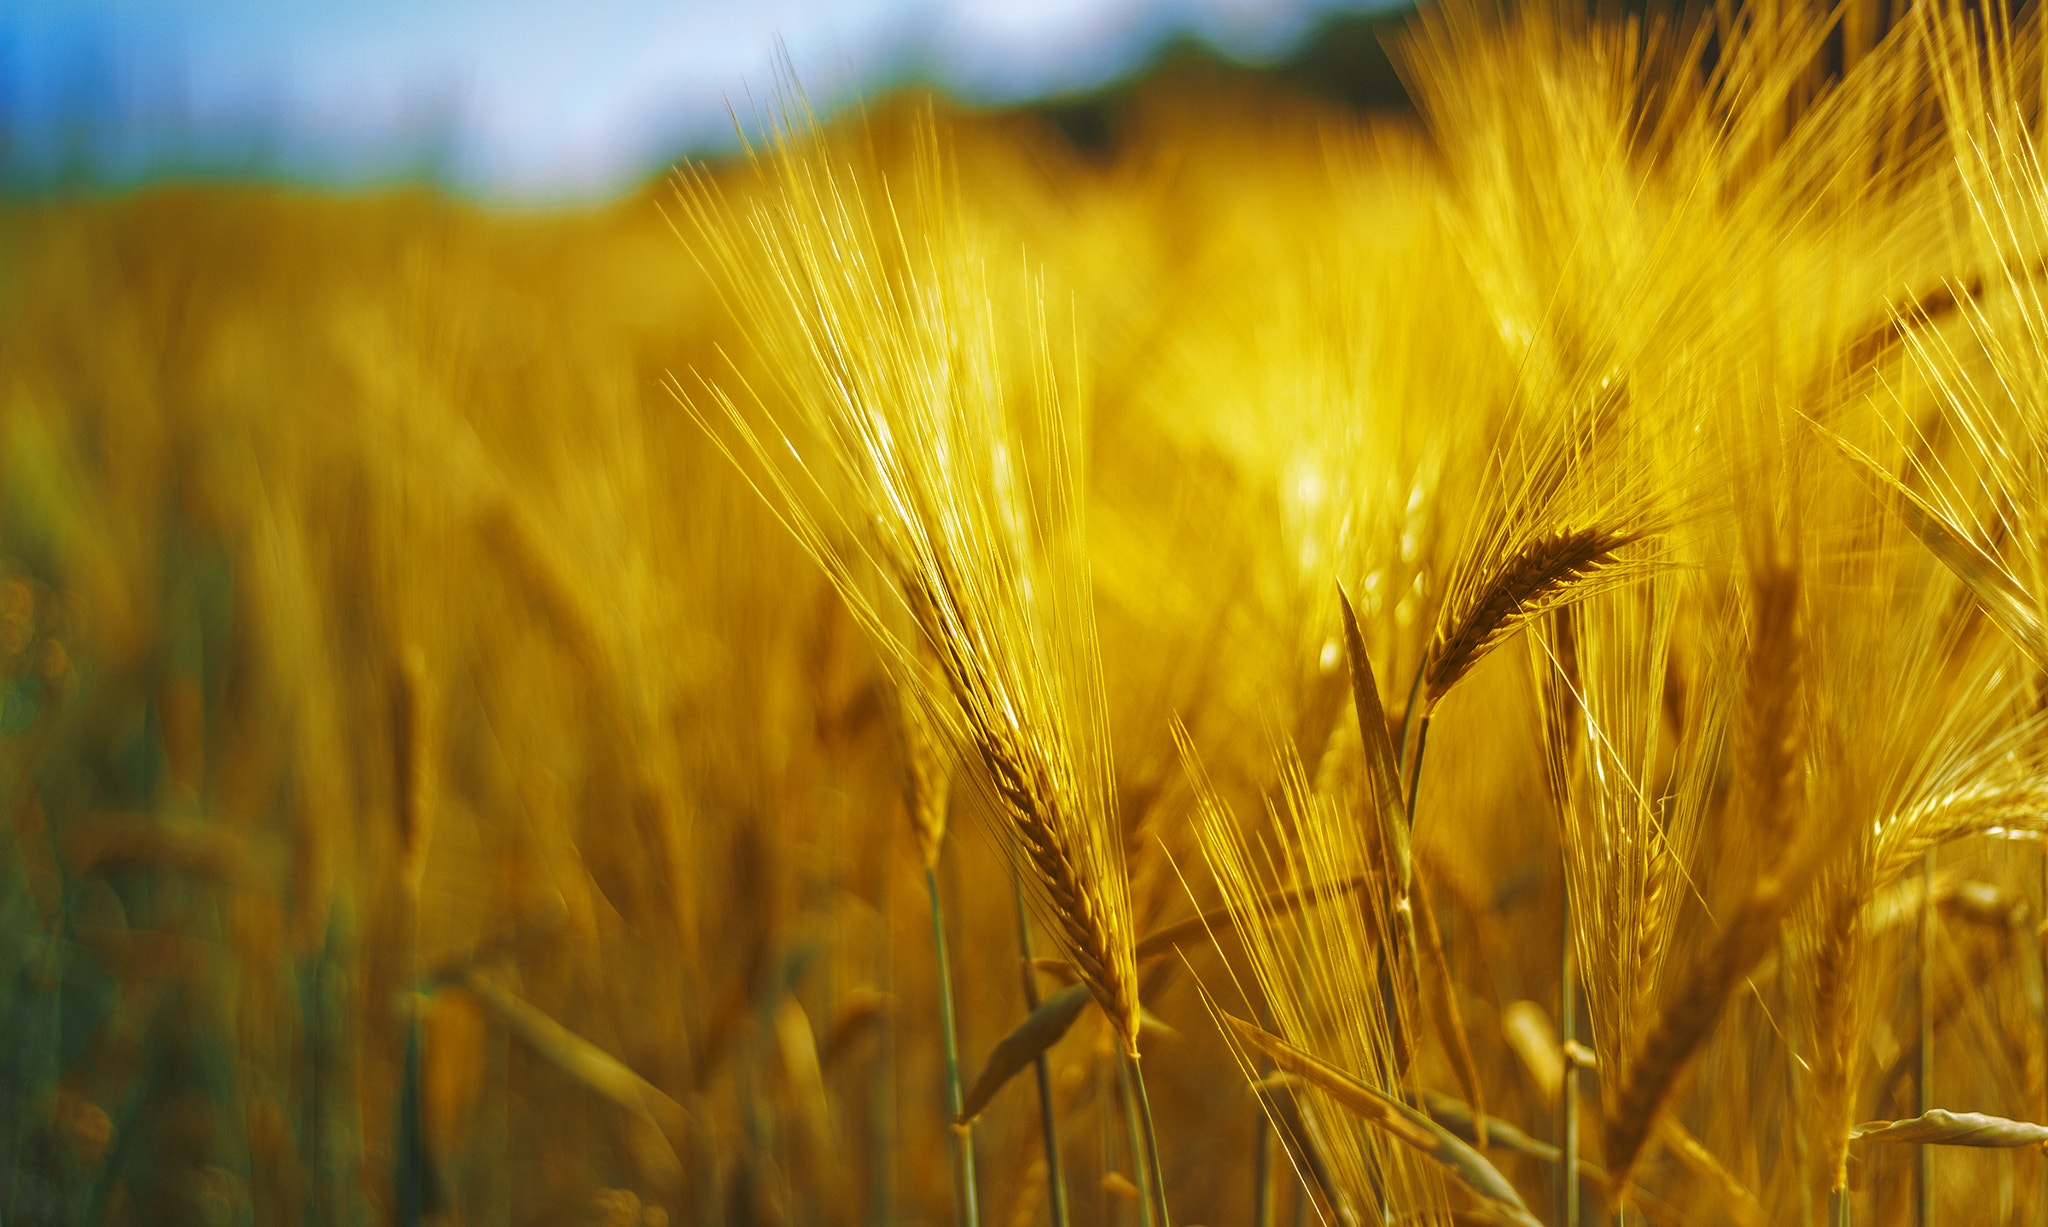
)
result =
(1482, 664)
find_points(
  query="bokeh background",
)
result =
(434, 789)
(536, 103)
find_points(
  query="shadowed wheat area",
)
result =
(1479, 664)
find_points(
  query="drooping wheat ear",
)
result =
(916, 433)
(1105, 964)
(1548, 572)
(1036, 786)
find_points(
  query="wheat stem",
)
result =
(882, 1191)
(1415, 775)
(967, 1213)
(1124, 1068)
(1262, 1163)
(1155, 1179)
(1404, 910)
(413, 807)
(409, 1171)
(1795, 1124)
(1104, 1092)
(1923, 1189)
(1568, 1101)
(1408, 712)
(1048, 1120)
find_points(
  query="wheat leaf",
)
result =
(1456, 1115)
(658, 1117)
(1151, 1026)
(1944, 1128)
(1402, 1122)
(1059, 969)
(1016, 1050)
(1382, 771)
(1283, 1109)
(1741, 1204)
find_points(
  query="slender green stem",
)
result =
(1415, 775)
(1838, 1208)
(1129, 1096)
(1262, 1162)
(1154, 1177)
(1103, 1092)
(1568, 1099)
(1408, 712)
(1923, 1187)
(1794, 1123)
(882, 1184)
(968, 1214)
(1151, 1144)
(1404, 911)
(410, 1170)
(1048, 1116)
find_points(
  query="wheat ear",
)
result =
(1046, 850)
(917, 450)
(1545, 574)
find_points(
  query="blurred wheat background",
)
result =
(1279, 663)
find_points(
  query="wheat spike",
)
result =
(1557, 567)
(918, 451)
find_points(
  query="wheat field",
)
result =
(1478, 664)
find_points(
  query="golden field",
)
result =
(1370, 661)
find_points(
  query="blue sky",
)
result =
(522, 100)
